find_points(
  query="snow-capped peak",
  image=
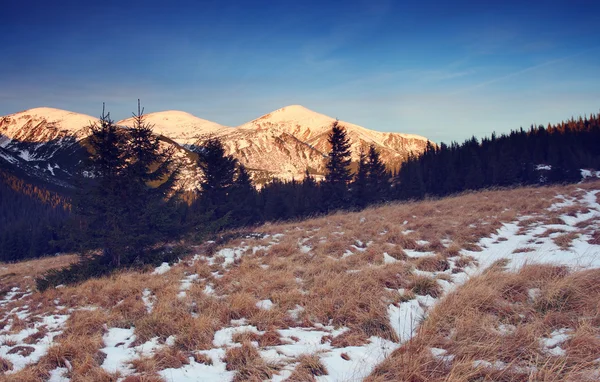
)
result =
(283, 143)
(182, 127)
(306, 124)
(63, 119)
(293, 119)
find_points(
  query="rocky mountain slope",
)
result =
(45, 144)
(41, 142)
(285, 142)
(181, 127)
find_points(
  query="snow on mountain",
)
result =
(294, 119)
(287, 141)
(283, 144)
(45, 143)
(306, 124)
(41, 142)
(181, 127)
(43, 124)
(272, 153)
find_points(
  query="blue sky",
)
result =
(445, 70)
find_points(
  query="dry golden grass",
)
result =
(332, 267)
(23, 274)
(145, 365)
(203, 359)
(432, 263)
(35, 337)
(494, 318)
(5, 365)
(248, 363)
(564, 241)
(170, 358)
(21, 350)
(143, 378)
(424, 285)
(523, 250)
(309, 367)
(352, 337)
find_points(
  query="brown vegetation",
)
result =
(490, 329)
(331, 271)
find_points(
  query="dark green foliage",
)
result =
(508, 160)
(360, 191)
(338, 169)
(127, 203)
(244, 199)
(218, 180)
(227, 198)
(31, 220)
(100, 205)
(378, 177)
(409, 181)
(151, 197)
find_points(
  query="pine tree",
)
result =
(243, 199)
(218, 179)
(338, 169)
(151, 176)
(360, 189)
(309, 196)
(409, 183)
(474, 178)
(101, 200)
(378, 178)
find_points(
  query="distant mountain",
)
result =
(42, 142)
(289, 140)
(179, 126)
(46, 145)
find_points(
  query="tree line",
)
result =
(540, 155)
(32, 219)
(127, 204)
(537, 156)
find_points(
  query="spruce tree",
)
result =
(309, 196)
(101, 200)
(151, 179)
(243, 199)
(218, 171)
(338, 169)
(360, 189)
(378, 178)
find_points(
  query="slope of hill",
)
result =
(46, 145)
(42, 142)
(179, 126)
(289, 140)
(329, 299)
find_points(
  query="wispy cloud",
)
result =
(522, 71)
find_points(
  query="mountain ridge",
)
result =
(283, 143)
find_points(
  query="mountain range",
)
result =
(42, 143)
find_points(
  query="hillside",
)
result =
(45, 143)
(41, 143)
(289, 140)
(179, 126)
(336, 299)
(45, 146)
